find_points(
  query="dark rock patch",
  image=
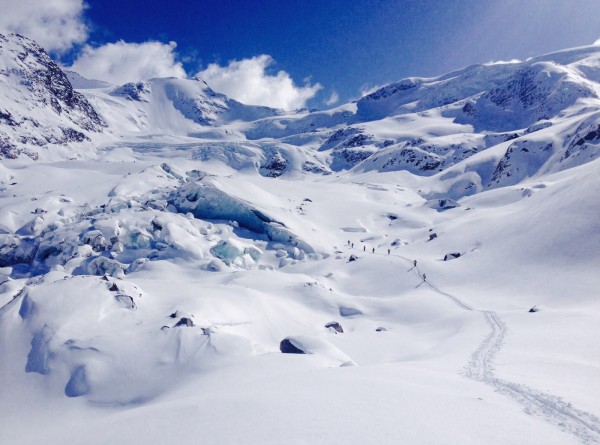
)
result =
(451, 256)
(186, 322)
(335, 326)
(287, 347)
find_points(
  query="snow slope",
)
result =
(434, 271)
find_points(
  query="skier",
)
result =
(353, 245)
(388, 251)
(415, 263)
(424, 277)
(364, 248)
(373, 250)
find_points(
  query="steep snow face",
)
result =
(81, 83)
(39, 106)
(179, 107)
(538, 91)
(419, 94)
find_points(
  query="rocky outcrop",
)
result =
(38, 106)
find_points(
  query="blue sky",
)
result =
(344, 46)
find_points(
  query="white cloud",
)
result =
(502, 62)
(123, 62)
(365, 90)
(334, 98)
(55, 24)
(246, 81)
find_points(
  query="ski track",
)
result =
(553, 409)
(583, 425)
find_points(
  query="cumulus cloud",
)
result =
(334, 98)
(55, 24)
(247, 81)
(123, 62)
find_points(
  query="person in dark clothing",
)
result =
(364, 248)
(373, 250)
(424, 277)
(415, 263)
(388, 251)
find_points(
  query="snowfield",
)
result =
(407, 269)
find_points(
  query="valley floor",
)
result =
(444, 352)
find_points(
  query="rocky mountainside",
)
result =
(39, 107)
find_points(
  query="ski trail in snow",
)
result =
(553, 409)
(583, 425)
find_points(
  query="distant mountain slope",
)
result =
(480, 127)
(39, 107)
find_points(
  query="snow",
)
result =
(146, 287)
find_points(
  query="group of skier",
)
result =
(351, 245)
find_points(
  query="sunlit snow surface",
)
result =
(461, 360)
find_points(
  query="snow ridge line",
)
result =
(585, 426)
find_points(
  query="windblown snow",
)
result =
(419, 267)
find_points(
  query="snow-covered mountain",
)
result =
(40, 108)
(416, 267)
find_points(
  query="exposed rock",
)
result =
(287, 347)
(451, 256)
(185, 322)
(335, 326)
(63, 115)
(274, 166)
(442, 204)
(133, 91)
(352, 258)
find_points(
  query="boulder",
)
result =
(335, 326)
(451, 256)
(185, 322)
(287, 347)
